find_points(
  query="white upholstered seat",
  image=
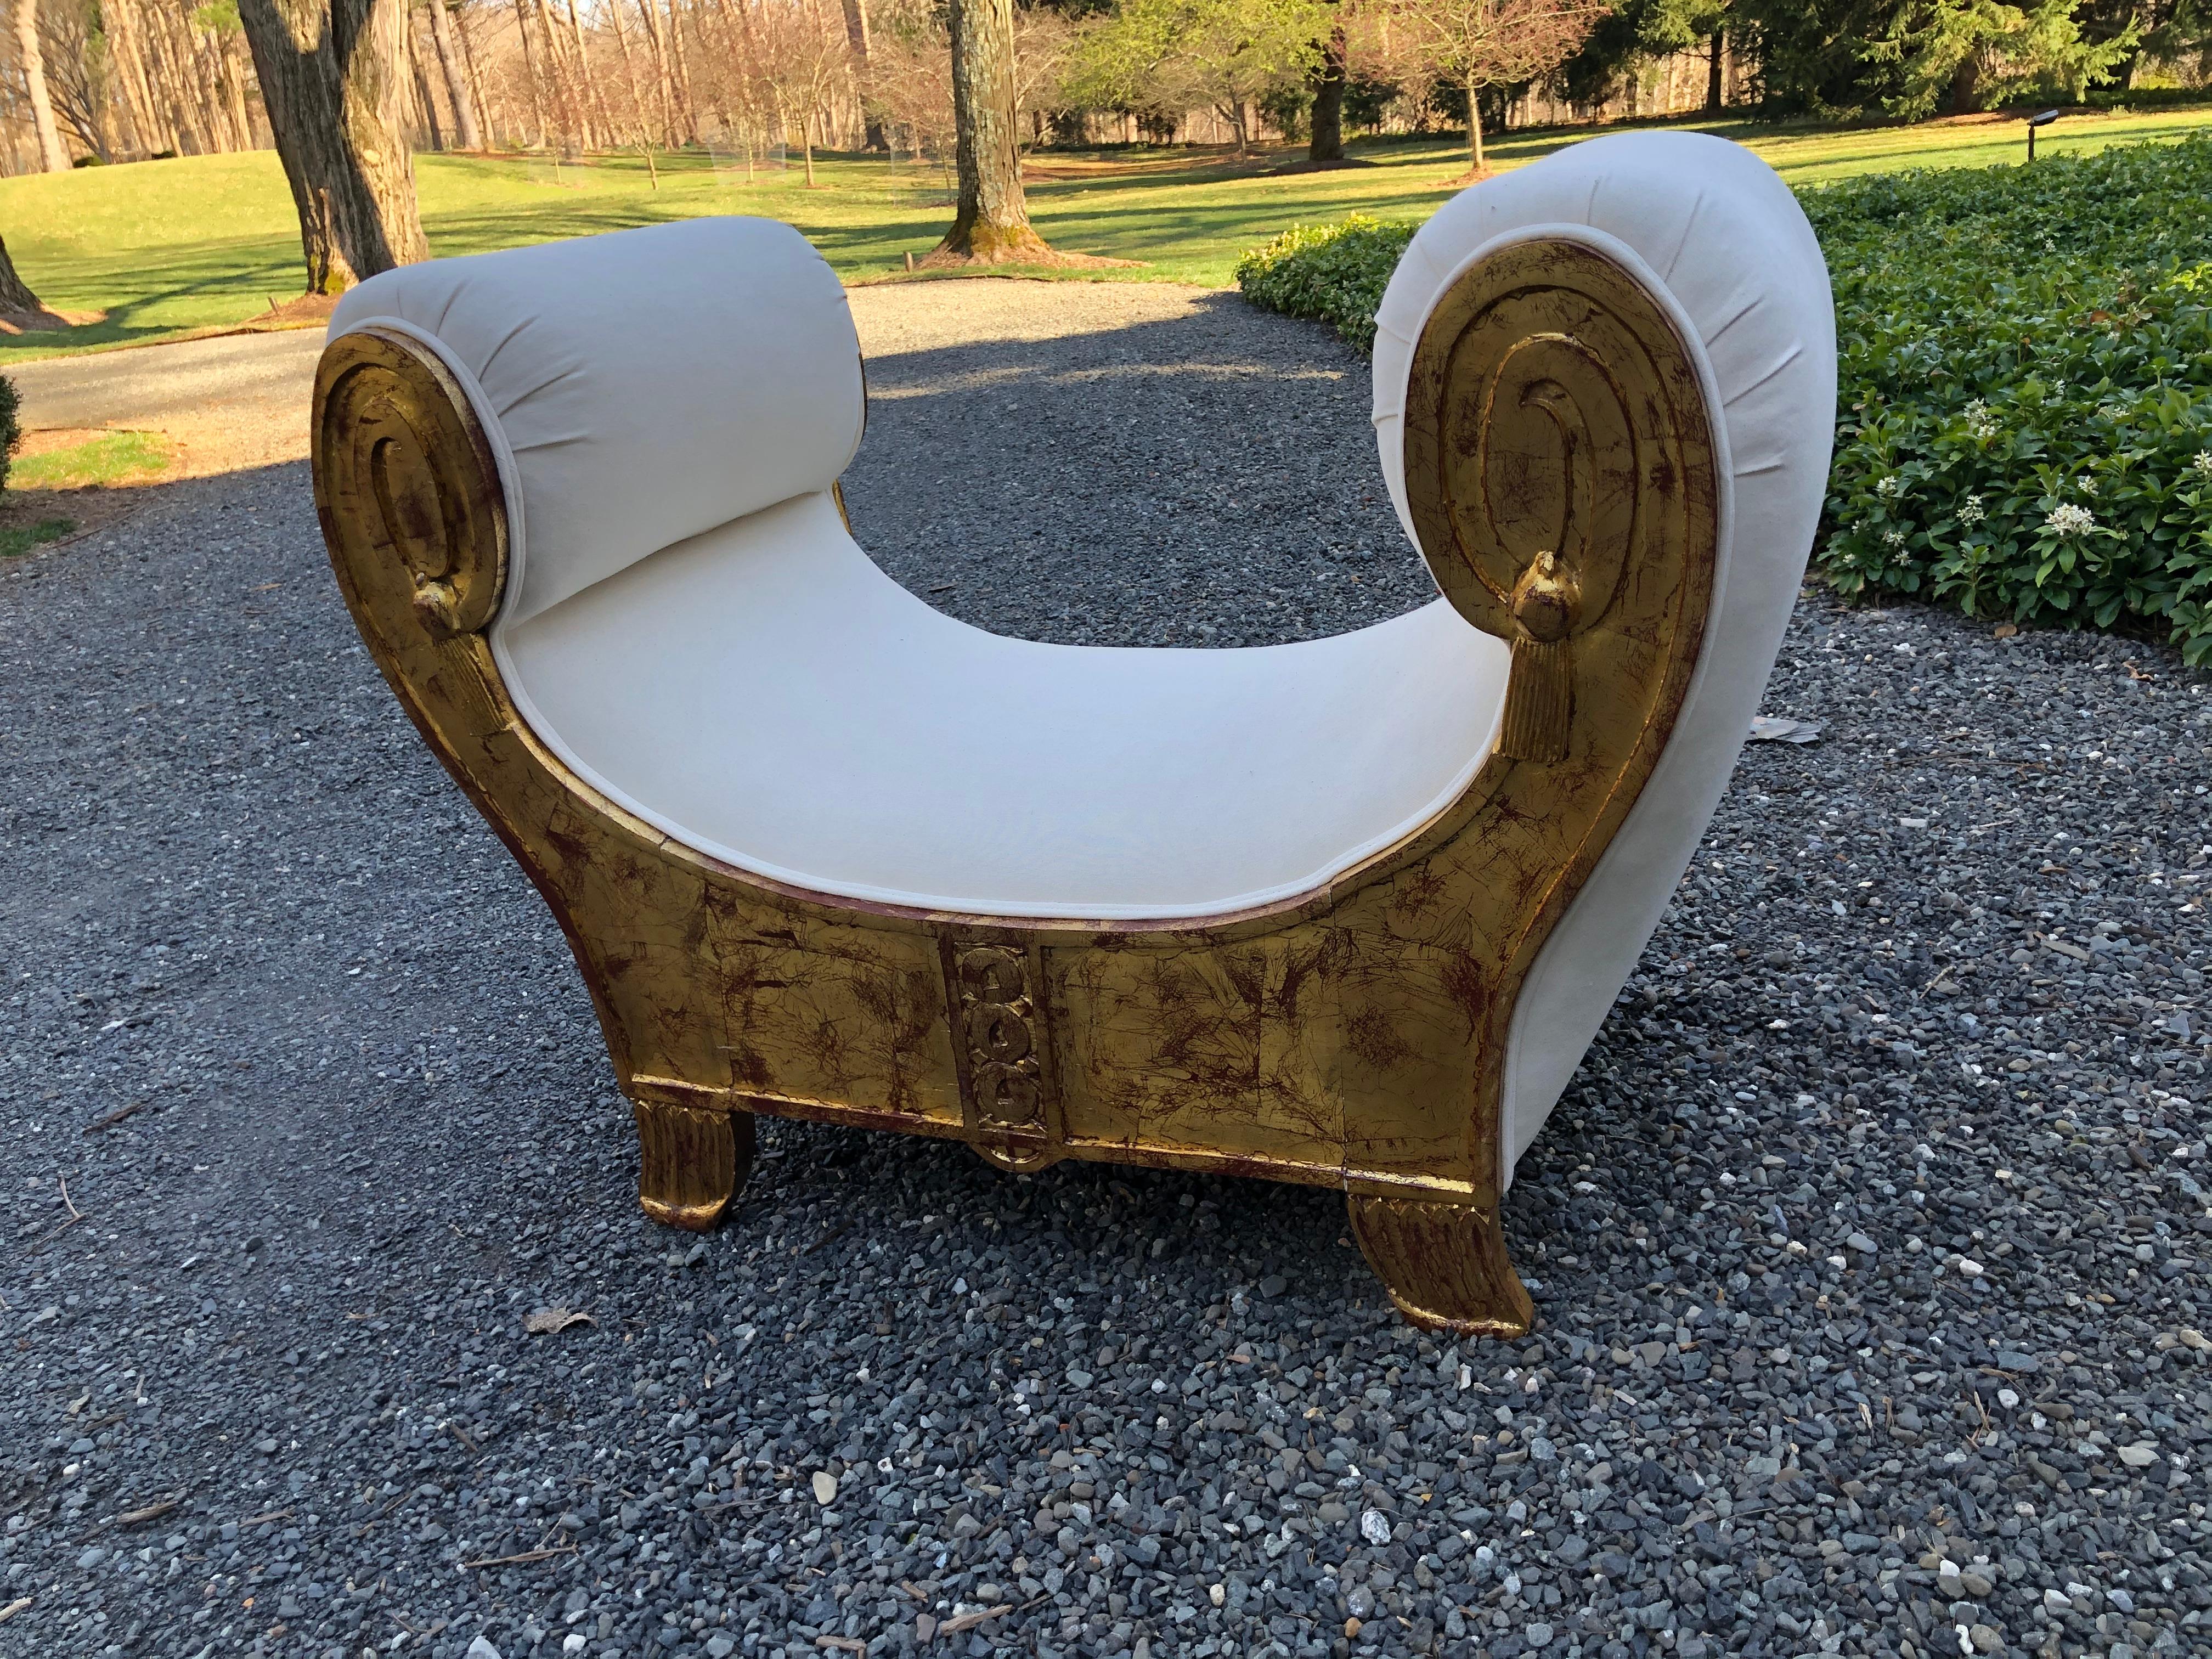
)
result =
(688, 625)
(839, 734)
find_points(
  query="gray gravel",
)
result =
(1867, 1241)
(225, 404)
(154, 385)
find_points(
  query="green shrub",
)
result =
(2025, 389)
(23, 537)
(11, 431)
(2024, 381)
(1332, 273)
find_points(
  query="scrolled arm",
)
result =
(1558, 448)
(408, 490)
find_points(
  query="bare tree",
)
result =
(799, 60)
(423, 105)
(152, 128)
(1475, 44)
(331, 76)
(77, 71)
(53, 155)
(567, 80)
(664, 81)
(1044, 49)
(858, 29)
(451, 65)
(583, 72)
(908, 79)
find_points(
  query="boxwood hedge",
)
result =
(2024, 420)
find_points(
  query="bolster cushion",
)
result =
(1723, 243)
(640, 387)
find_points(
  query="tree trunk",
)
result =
(1965, 85)
(1713, 100)
(329, 73)
(535, 73)
(636, 98)
(424, 101)
(53, 155)
(1326, 144)
(18, 305)
(856, 31)
(233, 90)
(467, 133)
(207, 82)
(174, 52)
(477, 102)
(1473, 128)
(599, 104)
(664, 83)
(137, 94)
(568, 99)
(992, 224)
(687, 106)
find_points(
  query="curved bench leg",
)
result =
(1444, 1265)
(690, 1163)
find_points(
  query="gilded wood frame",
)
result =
(1560, 472)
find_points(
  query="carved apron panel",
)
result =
(1002, 1045)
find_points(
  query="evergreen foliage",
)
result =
(2024, 422)
(11, 430)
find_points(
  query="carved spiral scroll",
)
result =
(1557, 439)
(407, 488)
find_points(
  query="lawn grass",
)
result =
(17, 541)
(113, 458)
(165, 247)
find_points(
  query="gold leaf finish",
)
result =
(691, 1162)
(1554, 431)
(1560, 474)
(399, 454)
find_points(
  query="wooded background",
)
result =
(766, 81)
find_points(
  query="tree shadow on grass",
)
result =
(168, 291)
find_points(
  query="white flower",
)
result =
(2086, 484)
(1971, 513)
(2202, 463)
(1891, 487)
(1978, 424)
(1894, 537)
(2067, 520)
(1978, 410)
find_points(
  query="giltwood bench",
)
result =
(1345, 912)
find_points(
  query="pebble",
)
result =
(380, 1126)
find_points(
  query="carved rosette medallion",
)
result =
(1005, 1058)
(1556, 440)
(407, 488)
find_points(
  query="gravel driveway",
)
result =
(228, 402)
(1867, 1242)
